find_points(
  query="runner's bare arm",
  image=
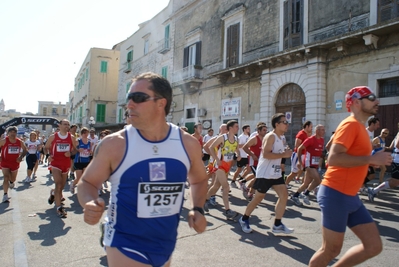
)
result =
(215, 143)
(107, 156)
(24, 150)
(251, 142)
(47, 147)
(208, 144)
(338, 156)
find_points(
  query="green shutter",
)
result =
(120, 115)
(80, 112)
(167, 32)
(130, 56)
(128, 86)
(87, 73)
(100, 115)
(104, 66)
(165, 72)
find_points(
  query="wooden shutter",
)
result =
(185, 57)
(167, 36)
(198, 53)
(286, 25)
(387, 10)
(233, 45)
(129, 56)
(100, 116)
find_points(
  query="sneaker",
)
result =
(206, 208)
(105, 184)
(288, 186)
(233, 184)
(212, 201)
(51, 198)
(11, 185)
(304, 198)
(282, 229)
(245, 226)
(26, 180)
(363, 191)
(248, 196)
(71, 176)
(242, 186)
(371, 194)
(72, 188)
(32, 180)
(230, 214)
(297, 181)
(5, 199)
(296, 201)
(61, 212)
(102, 230)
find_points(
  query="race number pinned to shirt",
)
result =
(159, 199)
(13, 150)
(315, 160)
(157, 171)
(63, 148)
(275, 169)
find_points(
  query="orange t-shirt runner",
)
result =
(353, 136)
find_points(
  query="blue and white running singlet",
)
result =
(147, 192)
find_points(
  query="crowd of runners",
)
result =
(147, 188)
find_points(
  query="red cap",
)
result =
(356, 92)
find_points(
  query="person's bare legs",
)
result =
(281, 204)
(330, 248)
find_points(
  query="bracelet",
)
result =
(199, 209)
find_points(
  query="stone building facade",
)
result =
(247, 60)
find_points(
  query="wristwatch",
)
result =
(199, 209)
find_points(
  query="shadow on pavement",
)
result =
(5, 207)
(48, 232)
(104, 261)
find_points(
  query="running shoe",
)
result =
(230, 214)
(61, 212)
(12, 185)
(245, 226)
(206, 208)
(71, 176)
(298, 181)
(105, 184)
(304, 198)
(233, 184)
(242, 185)
(296, 201)
(288, 186)
(5, 199)
(282, 229)
(51, 198)
(26, 180)
(72, 188)
(212, 201)
(371, 194)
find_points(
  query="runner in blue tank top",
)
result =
(147, 164)
(82, 158)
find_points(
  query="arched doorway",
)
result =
(291, 98)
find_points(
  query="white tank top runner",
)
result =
(271, 168)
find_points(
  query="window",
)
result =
(100, 115)
(104, 66)
(87, 73)
(54, 111)
(233, 45)
(146, 46)
(128, 86)
(192, 55)
(388, 87)
(167, 29)
(44, 111)
(387, 10)
(63, 111)
(165, 72)
(129, 59)
(293, 20)
(120, 115)
(80, 112)
(190, 114)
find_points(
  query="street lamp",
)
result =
(91, 122)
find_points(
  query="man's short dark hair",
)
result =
(260, 127)
(13, 129)
(197, 124)
(73, 126)
(231, 124)
(159, 85)
(210, 130)
(373, 120)
(276, 118)
(245, 127)
(306, 124)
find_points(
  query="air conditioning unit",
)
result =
(201, 112)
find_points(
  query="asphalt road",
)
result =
(32, 235)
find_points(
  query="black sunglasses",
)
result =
(371, 97)
(140, 97)
(285, 122)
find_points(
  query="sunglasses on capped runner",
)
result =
(371, 97)
(140, 97)
(285, 122)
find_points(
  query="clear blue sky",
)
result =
(44, 42)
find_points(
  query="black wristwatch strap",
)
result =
(199, 209)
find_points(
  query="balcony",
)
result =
(127, 67)
(188, 79)
(164, 45)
